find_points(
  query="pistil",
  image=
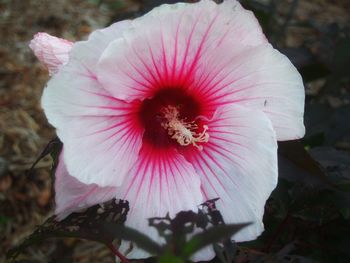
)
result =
(182, 131)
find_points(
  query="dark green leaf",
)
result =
(86, 225)
(53, 147)
(169, 258)
(129, 234)
(213, 235)
(295, 153)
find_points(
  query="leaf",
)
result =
(53, 147)
(129, 234)
(85, 225)
(209, 207)
(214, 234)
(169, 258)
(175, 230)
(227, 252)
(335, 162)
(294, 152)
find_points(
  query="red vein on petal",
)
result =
(140, 72)
(138, 173)
(221, 168)
(188, 47)
(212, 147)
(153, 174)
(176, 45)
(199, 50)
(155, 80)
(161, 81)
(209, 168)
(206, 177)
(164, 55)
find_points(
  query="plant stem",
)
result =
(118, 254)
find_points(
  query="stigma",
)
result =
(185, 133)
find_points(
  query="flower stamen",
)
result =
(181, 131)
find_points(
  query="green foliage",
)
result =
(307, 217)
(53, 148)
(213, 235)
(104, 223)
(128, 234)
(85, 225)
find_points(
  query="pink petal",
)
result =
(239, 166)
(87, 53)
(180, 187)
(164, 47)
(172, 181)
(75, 91)
(53, 52)
(260, 78)
(100, 133)
(102, 143)
(161, 182)
(101, 150)
(72, 195)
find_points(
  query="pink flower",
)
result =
(51, 51)
(171, 109)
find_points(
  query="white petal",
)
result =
(164, 47)
(218, 50)
(260, 78)
(161, 182)
(100, 133)
(239, 166)
(76, 91)
(72, 195)
(88, 52)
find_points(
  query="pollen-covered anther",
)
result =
(181, 131)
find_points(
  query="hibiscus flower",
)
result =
(181, 105)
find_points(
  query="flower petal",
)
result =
(239, 166)
(76, 91)
(72, 195)
(100, 132)
(259, 78)
(88, 52)
(163, 48)
(161, 182)
(52, 51)
(101, 150)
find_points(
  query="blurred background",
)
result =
(305, 219)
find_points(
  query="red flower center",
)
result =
(170, 118)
